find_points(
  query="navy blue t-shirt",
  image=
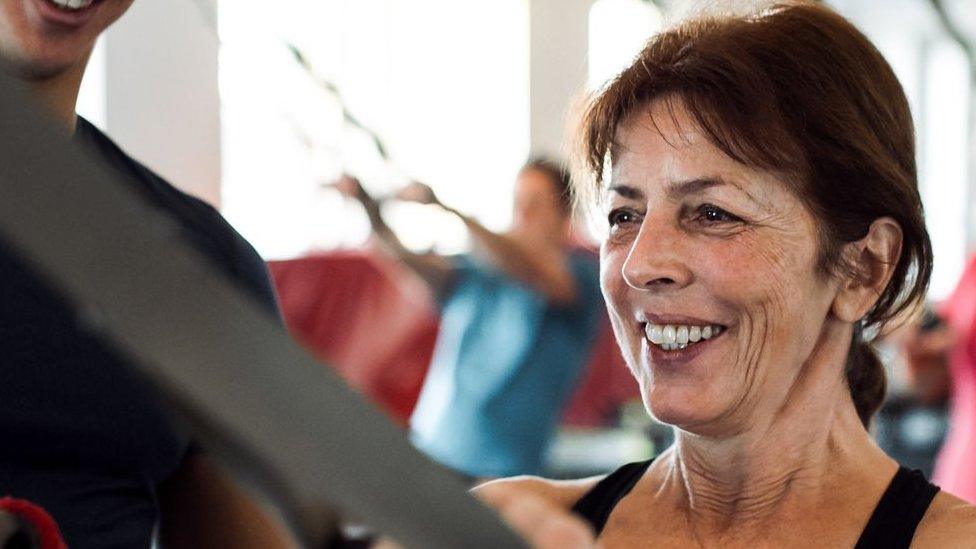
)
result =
(80, 434)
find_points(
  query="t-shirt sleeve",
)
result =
(248, 266)
(254, 274)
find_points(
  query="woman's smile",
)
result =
(673, 345)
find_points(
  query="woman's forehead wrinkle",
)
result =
(679, 189)
(764, 205)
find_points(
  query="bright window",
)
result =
(443, 83)
(944, 146)
(618, 31)
(934, 72)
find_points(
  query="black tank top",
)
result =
(891, 526)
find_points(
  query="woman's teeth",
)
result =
(72, 4)
(671, 337)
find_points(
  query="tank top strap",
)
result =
(899, 512)
(596, 505)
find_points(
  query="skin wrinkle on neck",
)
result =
(753, 480)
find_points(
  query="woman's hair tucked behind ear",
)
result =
(865, 377)
(798, 90)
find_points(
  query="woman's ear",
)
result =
(871, 262)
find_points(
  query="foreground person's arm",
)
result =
(201, 506)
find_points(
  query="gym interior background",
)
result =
(215, 101)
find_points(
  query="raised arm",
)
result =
(547, 271)
(433, 269)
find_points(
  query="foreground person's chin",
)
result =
(52, 33)
(38, 66)
(42, 58)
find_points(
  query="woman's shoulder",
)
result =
(949, 522)
(561, 493)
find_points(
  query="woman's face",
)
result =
(700, 243)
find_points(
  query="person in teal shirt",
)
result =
(518, 317)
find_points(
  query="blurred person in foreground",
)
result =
(518, 317)
(83, 436)
(941, 354)
(763, 216)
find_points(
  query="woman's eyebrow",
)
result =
(680, 189)
(626, 191)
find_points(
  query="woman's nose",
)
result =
(655, 260)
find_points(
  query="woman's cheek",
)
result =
(748, 269)
(612, 282)
(616, 292)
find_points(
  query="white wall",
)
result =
(934, 73)
(159, 81)
(558, 69)
(163, 104)
(160, 91)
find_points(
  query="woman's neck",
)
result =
(812, 449)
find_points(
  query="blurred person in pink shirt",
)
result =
(941, 354)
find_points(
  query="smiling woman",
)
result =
(763, 216)
(755, 124)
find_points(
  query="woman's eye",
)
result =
(620, 217)
(713, 215)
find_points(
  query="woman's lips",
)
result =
(674, 345)
(670, 337)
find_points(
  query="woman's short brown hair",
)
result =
(797, 89)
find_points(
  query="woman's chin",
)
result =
(680, 409)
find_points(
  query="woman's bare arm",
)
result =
(949, 523)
